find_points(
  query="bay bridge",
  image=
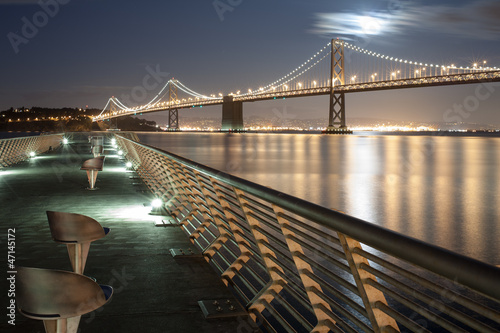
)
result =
(336, 69)
(225, 254)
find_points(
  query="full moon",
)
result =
(370, 25)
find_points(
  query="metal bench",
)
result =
(59, 298)
(77, 232)
(93, 166)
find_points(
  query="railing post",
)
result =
(370, 295)
(224, 234)
(173, 181)
(324, 320)
(184, 190)
(237, 233)
(3, 144)
(275, 272)
(198, 202)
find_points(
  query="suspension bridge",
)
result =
(336, 69)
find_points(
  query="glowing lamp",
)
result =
(156, 203)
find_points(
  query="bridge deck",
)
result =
(153, 291)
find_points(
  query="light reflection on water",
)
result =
(441, 189)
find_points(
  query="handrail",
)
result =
(464, 270)
(476, 275)
(15, 150)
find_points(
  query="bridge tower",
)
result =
(173, 113)
(336, 121)
(113, 108)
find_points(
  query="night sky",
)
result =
(81, 52)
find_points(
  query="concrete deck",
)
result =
(153, 292)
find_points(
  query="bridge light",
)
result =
(314, 82)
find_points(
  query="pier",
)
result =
(284, 264)
(153, 292)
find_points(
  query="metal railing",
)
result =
(15, 150)
(300, 267)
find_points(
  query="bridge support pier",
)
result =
(232, 114)
(173, 120)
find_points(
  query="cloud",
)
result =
(478, 19)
